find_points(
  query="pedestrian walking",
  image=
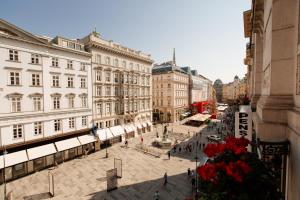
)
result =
(192, 173)
(169, 154)
(142, 140)
(156, 195)
(165, 178)
(189, 172)
(179, 149)
(193, 181)
(126, 143)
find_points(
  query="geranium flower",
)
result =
(208, 172)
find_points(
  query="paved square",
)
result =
(85, 178)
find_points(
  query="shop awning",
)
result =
(200, 117)
(40, 151)
(86, 139)
(117, 130)
(149, 123)
(104, 134)
(67, 144)
(138, 125)
(1, 162)
(128, 128)
(15, 158)
(144, 124)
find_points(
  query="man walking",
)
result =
(169, 154)
(165, 179)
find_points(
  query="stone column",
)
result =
(278, 70)
(257, 69)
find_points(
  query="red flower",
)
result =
(211, 150)
(238, 170)
(208, 172)
(244, 166)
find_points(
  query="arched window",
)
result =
(107, 60)
(116, 62)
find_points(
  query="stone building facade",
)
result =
(45, 89)
(218, 86)
(122, 83)
(170, 92)
(273, 63)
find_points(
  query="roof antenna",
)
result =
(174, 58)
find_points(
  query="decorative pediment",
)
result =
(70, 95)
(15, 94)
(10, 30)
(55, 95)
(83, 95)
(35, 95)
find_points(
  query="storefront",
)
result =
(15, 165)
(138, 127)
(149, 125)
(68, 149)
(144, 127)
(129, 131)
(118, 132)
(88, 143)
(40, 157)
(106, 137)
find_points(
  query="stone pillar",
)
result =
(257, 69)
(279, 57)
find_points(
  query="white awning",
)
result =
(1, 162)
(138, 125)
(149, 123)
(15, 158)
(133, 127)
(104, 134)
(144, 124)
(128, 128)
(86, 139)
(67, 144)
(40, 151)
(117, 130)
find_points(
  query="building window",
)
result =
(107, 60)
(71, 101)
(84, 121)
(13, 55)
(70, 82)
(69, 64)
(35, 80)
(35, 59)
(98, 59)
(71, 122)
(17, 131)
(55, 80)
(82, 67)
(116, 77)
(14, 78)
(84, 101)
(57, 125)
(98, 75)
(108, 109)
(83, 82)
(107, 91)
(124, 64)
(56, 103)
(117, 91)
(116, 62)
(38, 128)
(131, 66)
(98, 90)
(16, 104)
(107, 76)
(54, 62)
(99, 108)
(37, 103)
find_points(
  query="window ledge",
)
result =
(38, 64)
(15, 61)
(15, 85)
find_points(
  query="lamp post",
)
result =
(106, 153)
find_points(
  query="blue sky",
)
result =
(207, 34)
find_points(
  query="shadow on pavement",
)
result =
(178, 188)
(40, 196)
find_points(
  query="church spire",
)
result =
(174, 58)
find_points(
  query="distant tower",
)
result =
(174, 58)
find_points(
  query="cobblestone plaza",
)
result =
(142, 174)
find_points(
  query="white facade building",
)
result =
(121, 84)
(45, 87)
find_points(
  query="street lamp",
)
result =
(106, 146)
